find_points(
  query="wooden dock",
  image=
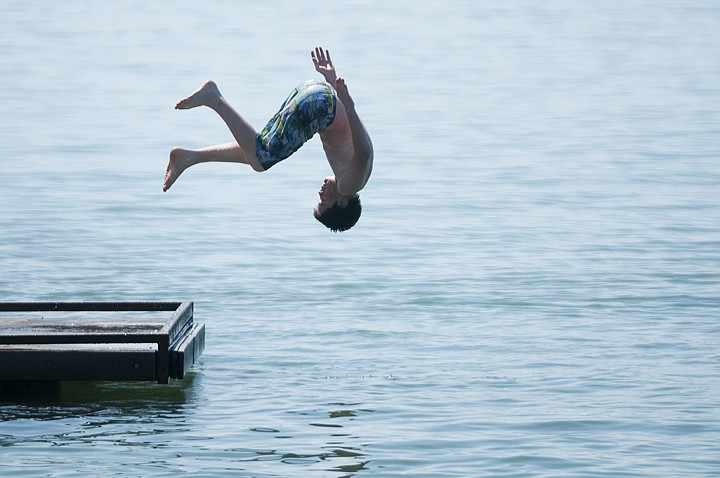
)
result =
(127, 341)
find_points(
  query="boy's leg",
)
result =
(243, 132)
(181, 159)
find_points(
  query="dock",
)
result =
(122, 341)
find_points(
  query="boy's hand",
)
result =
(344, 94)
(323, 65)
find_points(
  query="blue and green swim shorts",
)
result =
(309, 109)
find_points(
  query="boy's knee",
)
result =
(256, 165)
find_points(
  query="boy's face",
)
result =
(329, 195)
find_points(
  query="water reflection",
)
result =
(291, 458)
(149, 419)
(340, 445)
(77, 399)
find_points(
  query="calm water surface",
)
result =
(533, 289)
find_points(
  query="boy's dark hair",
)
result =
(338, 218)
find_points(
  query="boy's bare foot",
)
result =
(179, 162)
(207, 95)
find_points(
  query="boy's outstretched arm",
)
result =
(362, 145)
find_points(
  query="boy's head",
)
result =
(336, 211)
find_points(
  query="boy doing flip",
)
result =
(322, 107)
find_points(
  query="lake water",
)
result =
(533, 289)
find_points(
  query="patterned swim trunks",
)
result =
(309, 109)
